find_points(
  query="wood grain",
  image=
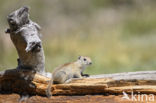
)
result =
(23, 81)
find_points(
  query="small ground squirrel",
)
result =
(65, 72)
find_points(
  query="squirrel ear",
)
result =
(79, 57)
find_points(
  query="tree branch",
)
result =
(25, 35)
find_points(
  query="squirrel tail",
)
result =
(48, 90)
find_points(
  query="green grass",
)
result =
(108, 56)
(118, 36)
(109, 53)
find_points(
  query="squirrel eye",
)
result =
(84, 59)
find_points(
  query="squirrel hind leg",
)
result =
(68, 81)
(72, 79)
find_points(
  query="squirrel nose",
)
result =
(90, 63)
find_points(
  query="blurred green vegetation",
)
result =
(118, 35)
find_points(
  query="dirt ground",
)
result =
(15, 98)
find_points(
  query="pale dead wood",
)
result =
(25, 35)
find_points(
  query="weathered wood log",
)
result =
(25, 35)
(22, 81)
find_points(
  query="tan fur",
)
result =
(65, 72)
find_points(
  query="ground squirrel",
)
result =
(65, 73)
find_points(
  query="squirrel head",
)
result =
(84, 60)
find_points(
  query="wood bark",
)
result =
(25, 35)
(22, 81)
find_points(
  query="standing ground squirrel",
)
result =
(65, 72)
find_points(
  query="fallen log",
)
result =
(22, 81)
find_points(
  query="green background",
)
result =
(118, 35)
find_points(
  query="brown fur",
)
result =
(65, 72)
